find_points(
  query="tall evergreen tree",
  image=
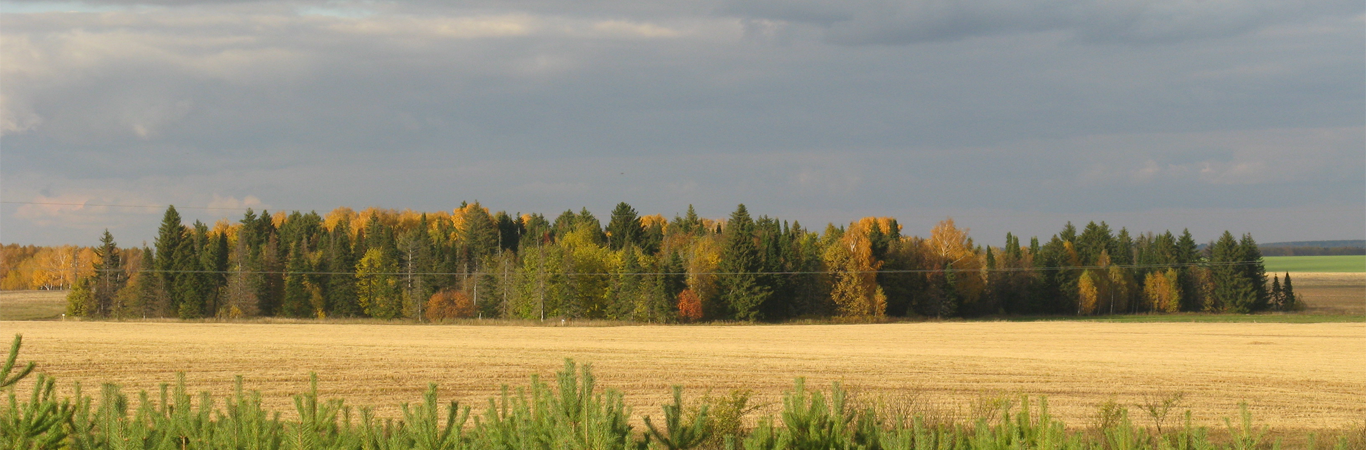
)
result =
(187, 296)
(1254, 270)
(1289, 301)
(109, 277)
(510, 230)
(341, 282)
(624, 228)
(168, 241)
(416, 263)
(1233, 291)
(296, 302)
(741, 290)
(479, 234)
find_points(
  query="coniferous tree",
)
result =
(674, 281)
(1187, 256)
(624, 229)
(215, 259)
(415, 259)
(109, 277)
(186, 294)
(479, 234)
(168, 241)
(1233, 291)
(341, 282)
(741, 290)
(537, 231)
(1276, 296)
(297, 298)
(510, 230)
(1254, 270)
(628, 304)
(689, 223)
(1290, 301)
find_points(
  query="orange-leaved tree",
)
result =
(449, 304)
(689, 306)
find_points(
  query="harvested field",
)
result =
(1293, 376)
(1331, 293)
(32, 305)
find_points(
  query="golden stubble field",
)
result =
(1293, 376)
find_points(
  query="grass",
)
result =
(32, 305)
(947, 366)
(1341, 263)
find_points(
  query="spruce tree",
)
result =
(1254, 270)
(510, 230)
(341, 282)
(187, 297)
(296, 295)
(416, 263)
(1277, 296)
(1233, 291)
(168, 240)
(628, 303)
(479, 234)
(624, 228)
(109, 277)
(741, 290)
(1290, 302)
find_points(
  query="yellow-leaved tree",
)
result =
(950, 249)
(1089, 292)
(377, 285)
(853, 273)
(1162, 291)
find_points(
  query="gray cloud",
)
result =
(1030, 113)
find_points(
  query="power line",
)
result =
(111, 205)
(577, 274)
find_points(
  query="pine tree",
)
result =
(740, 287)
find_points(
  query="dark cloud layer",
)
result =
(1010, 115)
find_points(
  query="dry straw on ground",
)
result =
(1294, 376)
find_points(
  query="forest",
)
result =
(473, 263)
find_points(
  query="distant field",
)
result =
(1293, 376)
(1348, 263)
(32, 305)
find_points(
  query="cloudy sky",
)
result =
(1008, 115)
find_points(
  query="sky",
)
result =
(1018, 115)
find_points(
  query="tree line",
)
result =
(471, 262)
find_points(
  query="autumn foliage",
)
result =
(449, 304)
(472, 261)
(689, 306)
